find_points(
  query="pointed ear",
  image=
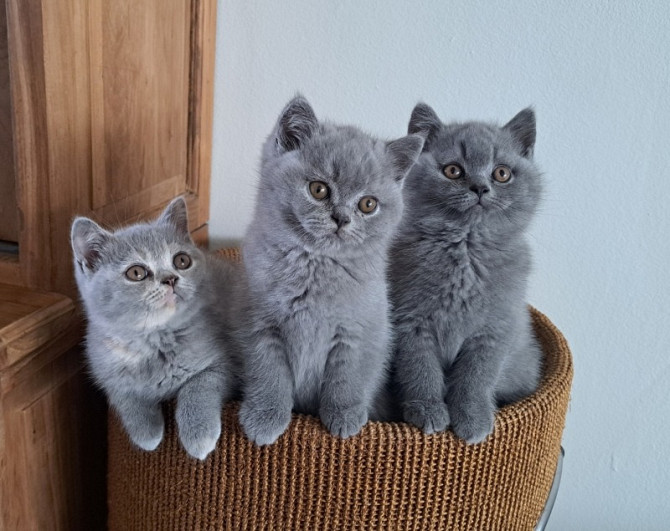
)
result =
(88, 240)
(424, 122)
(296, 124)
(522, 127)
(176, 214)
(403, 153)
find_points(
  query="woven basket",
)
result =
(389, 476)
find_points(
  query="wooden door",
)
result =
(9, 219)
(112, 113)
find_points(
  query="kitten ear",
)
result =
(424, 122)
(88, 240)
(522, 127)
(176, 214)
(403, 153)
(296, 124)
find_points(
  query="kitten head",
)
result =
(474, 174)
(331, 187)
(141, 277)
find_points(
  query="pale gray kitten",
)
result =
(158, 312)
(459, 270)
(315, 255)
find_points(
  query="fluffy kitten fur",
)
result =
(318, 313)
(162, 337)
(459, 269)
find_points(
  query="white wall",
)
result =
(598, 76)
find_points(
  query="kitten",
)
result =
(458, 273)
(315, 255)
(156, 308)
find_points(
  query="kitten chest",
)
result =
(154, 366)
(315, 302)
(455, 296)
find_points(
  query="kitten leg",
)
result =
(265, 412)
(142, 419)
(471, 383)
(343, 406)
(198, 413)
(419, 375)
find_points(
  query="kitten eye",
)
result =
(502, 174)
(136, 273)
(318, 190)
(367, 205)
(182, 261)
(453, 171)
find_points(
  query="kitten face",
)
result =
(478, 174)
(332, 186)
(140, 277)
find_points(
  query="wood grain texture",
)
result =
(143, 73)
(67, 80)
(112, 117)
(201, 104)
(9, 217)
(30, 319)
(51, 446)
(51, 419)
(29, 115)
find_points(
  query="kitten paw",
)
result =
(263, 426)
(344, 422)
(199, 437)
(472, 423)
(428, 416)
(147, 436)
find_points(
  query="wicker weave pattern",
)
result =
(390, 476)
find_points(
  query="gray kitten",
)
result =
(157, 326)
(459, 269)
(315, 255)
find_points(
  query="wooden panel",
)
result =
(26, 66)
(10, 271)
(53, 449)
(143, 71)
(9, 218)
(67, 81)
(112, 119)
(201, 104)
(29, 320)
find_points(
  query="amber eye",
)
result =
(136, 273)
(318, 190)
(453, 171)
(182, 261)
(502, 174)
(367, 205)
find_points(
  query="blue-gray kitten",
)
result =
(459, 269)
(157, 311)
(315, 255)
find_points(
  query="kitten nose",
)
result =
(171, 280)
(480, 189)
(340, 219)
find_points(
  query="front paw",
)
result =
(199, 434)
(263, 426)
(427, 415)
(344, 422)
(148, 434)
(473, 421)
